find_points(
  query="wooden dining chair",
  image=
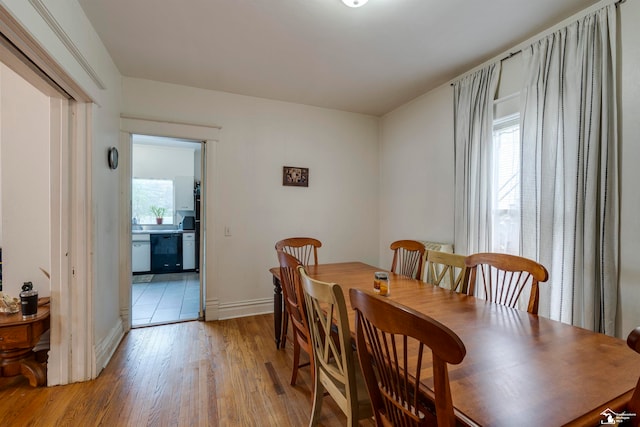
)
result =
(294, 302)
(303, 248)
(449, 270)
(392, 340)
(337, 369)
(504, 277)
(633, 341)
(408, 257)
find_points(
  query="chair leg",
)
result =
(296, 361)
(352, 418)
(318, 397)
(312, 366)
(285, 327)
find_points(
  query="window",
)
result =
(505, 197)
(148, 193)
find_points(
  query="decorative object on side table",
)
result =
(29, 301)
(8, 304)
(295, 176)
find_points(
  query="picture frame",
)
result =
(295, 176)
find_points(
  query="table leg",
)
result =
(35, 372)
(277, 309)
(26, 362)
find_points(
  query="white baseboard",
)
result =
(104, 349)
(211, 309)
(242, 309)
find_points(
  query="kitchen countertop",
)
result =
(166, 231)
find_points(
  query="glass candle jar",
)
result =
(381, 283)
(29, 301)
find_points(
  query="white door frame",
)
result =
(130, 125)
(71, 356)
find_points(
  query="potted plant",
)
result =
(159, 213)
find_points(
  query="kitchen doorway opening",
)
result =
(166, 279)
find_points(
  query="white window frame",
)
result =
(511, 228)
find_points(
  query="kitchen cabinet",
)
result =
(183, 193)
(140, 253)
(189, 251)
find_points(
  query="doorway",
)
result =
(166, 180)
(38, 93)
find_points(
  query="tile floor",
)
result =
(165, 298)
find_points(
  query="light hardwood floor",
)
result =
(225, 373)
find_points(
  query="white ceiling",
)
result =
(317, 52)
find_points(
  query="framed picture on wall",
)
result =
(295, 176)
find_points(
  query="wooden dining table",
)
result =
(520, 369)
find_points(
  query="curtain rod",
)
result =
(515, 52)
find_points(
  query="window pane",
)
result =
(146, 193)
(506, 186)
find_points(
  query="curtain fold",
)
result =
(570, 196)
(473, 97)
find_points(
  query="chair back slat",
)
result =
(392, 341)
(505, 277)
(408, 257)
(447, 270)
(305, 249)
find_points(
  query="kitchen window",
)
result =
(148, 193)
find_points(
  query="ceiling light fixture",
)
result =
(355, 3)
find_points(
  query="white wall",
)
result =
(421, 133)
(24, 136)
(151, 161)
(258, 138)
(416, 177)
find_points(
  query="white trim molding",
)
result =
(62, 35)
(211, 309)
(162, 127)
(243, 308)
(80, 331)
(36, 54)
(208, 134)
(105, 349)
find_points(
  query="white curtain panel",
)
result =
(570, 170)
(473, 97)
